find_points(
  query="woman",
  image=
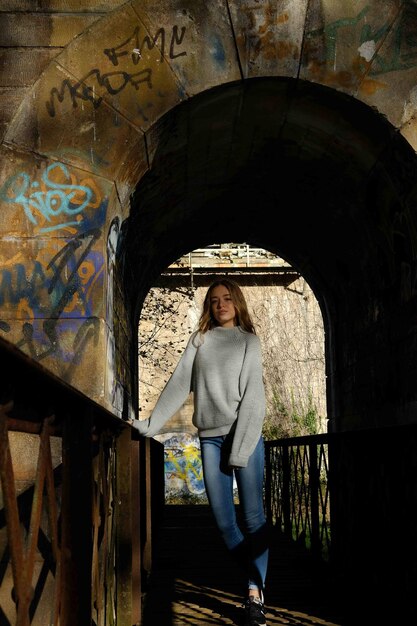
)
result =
(222, 366)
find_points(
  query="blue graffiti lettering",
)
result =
(15, 286)
(58, 198)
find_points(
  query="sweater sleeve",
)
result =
(251, 412)
(173, 395)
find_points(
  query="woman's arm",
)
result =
(173, 395)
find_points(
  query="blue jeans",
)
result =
(249, 545)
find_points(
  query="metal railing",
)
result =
(350, 497)
(297, 490)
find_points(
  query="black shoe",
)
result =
(254, 612)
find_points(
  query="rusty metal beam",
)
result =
(245, 276)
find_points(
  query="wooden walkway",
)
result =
(194, 581)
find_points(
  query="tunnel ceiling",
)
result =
(293, 167)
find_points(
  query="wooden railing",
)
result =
(80, 498)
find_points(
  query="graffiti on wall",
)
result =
(400, 55)
(116, 81)
(57, 202)
(114, 375)
(183, 468)
(49, 287)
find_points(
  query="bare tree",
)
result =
(290, 326)
(164, 328)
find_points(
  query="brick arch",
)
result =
(91, 127)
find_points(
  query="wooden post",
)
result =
(136, 536)
(123, 520)
(76, 515)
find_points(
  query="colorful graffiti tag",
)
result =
(49, 289)
(183, 469)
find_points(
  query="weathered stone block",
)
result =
(194, 37)
(42, 278)
(269, 36)
(20, 68)
(74, 124)
(391, 80)
(110, 65)
(409, 131)
(41, 198)
(63, 6)
(9, 102)
(72, 348)
(342, 42)
(42, 29)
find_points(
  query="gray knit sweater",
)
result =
(223, 369)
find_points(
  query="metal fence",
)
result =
(297, 490)
(350, 497)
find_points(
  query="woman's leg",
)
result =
(218, 480)
(250, 482)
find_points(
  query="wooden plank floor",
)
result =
(194, 581)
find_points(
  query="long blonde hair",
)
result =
(243, 319)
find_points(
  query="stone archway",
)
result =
(98, 120)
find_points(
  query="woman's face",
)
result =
(222, 307)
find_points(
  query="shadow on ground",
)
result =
(194, 580)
